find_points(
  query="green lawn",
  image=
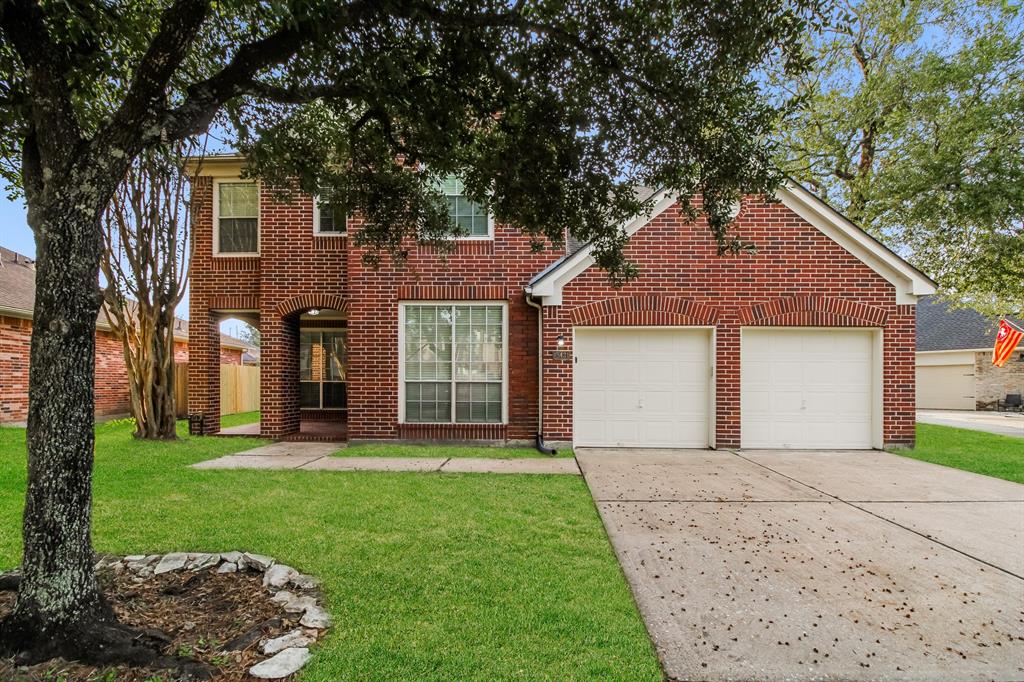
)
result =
(445, 451)
(428, 576)
(227, 420)
(977, 451)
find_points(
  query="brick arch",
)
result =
(298, 304)
(643, 310)
(813, 311)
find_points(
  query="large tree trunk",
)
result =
(59, 593)
(60, 609)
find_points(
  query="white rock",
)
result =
(282, 597)
(227, 567)
(295, 638)
(299, 604)
(304, 582)
(315, 617)
(171, 562)
(202, 561)
(259, 561)
(278, 575)
(283, 664)
(232, 557)
(131, 558)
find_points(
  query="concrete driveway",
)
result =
(817, 565)
(1003, 423)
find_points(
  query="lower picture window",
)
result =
(454, 363)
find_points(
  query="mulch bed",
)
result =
(218, 619)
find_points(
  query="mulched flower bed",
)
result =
(217, 618)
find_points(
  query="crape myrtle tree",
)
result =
(145, 268)
(913, 124)
(552, 110)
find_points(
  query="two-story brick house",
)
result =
(808, 343)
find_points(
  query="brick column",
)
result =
(899, 378)
(557, 375)
(727, 385)
(204, 367)
(279, 375)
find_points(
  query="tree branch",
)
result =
(23, 24)
(179, 26)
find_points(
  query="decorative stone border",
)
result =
(287, 653)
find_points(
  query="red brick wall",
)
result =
(15, 339)
(798, 277)
(481, 270)
(230, 356)
(293, 265)
(111, 383)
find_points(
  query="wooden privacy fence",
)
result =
(239, 388)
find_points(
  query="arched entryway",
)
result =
(305, 360)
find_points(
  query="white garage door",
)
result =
(641, 387)
(807, 388)
(945, 387)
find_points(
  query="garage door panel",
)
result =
(654, 387)
(807, 388)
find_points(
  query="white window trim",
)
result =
(217, 182)
(304, 381)
(477, 237)
(504, 360)
(316, 222)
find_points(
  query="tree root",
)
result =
(9, 581)
(103, 643)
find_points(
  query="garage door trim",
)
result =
(712, 345)
(877, 365)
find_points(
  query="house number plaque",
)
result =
(561, 355)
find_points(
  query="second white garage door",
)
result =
(807, 388)
(641, 387)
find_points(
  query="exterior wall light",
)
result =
(313, 311)
(560, 341)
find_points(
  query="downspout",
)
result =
(539, 441)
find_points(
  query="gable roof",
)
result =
(18, 297)
(909, 282)
(940, 326)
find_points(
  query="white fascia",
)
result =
(549, 288)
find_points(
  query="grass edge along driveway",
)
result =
(978, 451)
(428, 576)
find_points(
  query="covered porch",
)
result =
(302, 390)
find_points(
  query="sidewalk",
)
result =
(317, 457)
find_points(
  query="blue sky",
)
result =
(16, 235)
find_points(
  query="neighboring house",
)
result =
(809, 343)
(17, 299)
(954, 359)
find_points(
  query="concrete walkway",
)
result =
(1002, 423)
(312, 456)
(817, 565)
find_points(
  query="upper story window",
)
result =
(469, 215)
(237, 209)
(328, 218)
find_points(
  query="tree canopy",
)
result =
(552, 111)
(913, 124)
